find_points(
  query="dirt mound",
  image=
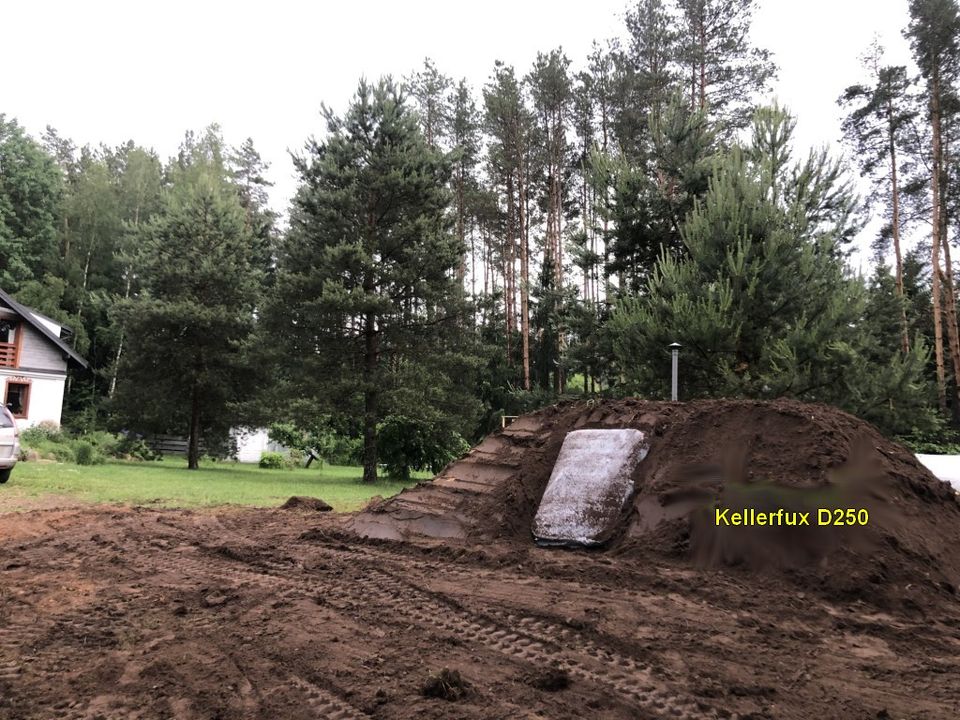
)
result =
(736, 455)
(302, 502)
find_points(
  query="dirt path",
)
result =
(132, 613)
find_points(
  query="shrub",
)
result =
(295, 457)
(273, 461)
(46, 431)
(322, 440)
(134, 448)
(105, 443)
(407, 444)
(946, 442)
(343, 450)
(86, 454)
(55, 451)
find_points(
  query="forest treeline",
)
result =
(454, 254)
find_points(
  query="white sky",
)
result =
(110, 71)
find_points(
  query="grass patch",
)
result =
(168, 483)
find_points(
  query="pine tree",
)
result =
(649, 72)
(366, 309)
(185, 367)
(934, 34)
(465, 138)
(878, 114)
(428, 90)
(551, 95)
(650, 200)
(761, 301)
(721, 69)
(507, 123)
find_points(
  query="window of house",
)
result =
(8, 331)
(8, 343)
(18, 398)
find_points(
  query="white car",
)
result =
(9, 444)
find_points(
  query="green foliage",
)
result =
(714, 44)
(323, 441)
(274, 461)
(296, 457)
(86, 454)
(650, 197)
(131, 447)
(415, 444)
(30, 193)
(45, 431)
(761, 303)
(195, 317)
(290, 435)
(367, 318)
(52, 442)
(939, 442)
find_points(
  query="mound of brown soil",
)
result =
(301, 502)
(738, 455)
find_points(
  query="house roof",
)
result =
(30, 317)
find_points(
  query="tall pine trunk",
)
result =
(461, 226)
(509, 296)
(371, 358)
(895, 202)
(193, 446)
(524, 275)
(940, 240)
(937, 300)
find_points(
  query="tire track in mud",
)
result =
(37, 652)
(324, 703)
(631, 678)
(530, 640)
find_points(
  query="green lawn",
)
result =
(168, 483)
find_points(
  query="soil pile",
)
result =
(707, 455)
(310, 504)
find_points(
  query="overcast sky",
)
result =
(111, 71)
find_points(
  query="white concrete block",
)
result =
(589, 487)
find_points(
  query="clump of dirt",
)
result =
(705, 455)
(447, 685)
(301, 502)
(551, 679)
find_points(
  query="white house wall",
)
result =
(252, 443)
(46, 395)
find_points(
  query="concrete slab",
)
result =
(589, 487)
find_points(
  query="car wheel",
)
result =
(5, 475)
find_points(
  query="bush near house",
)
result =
(274, 461)
(48, 441)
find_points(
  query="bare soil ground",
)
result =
(145, 613)
(270, 614)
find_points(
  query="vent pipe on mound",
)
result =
(675, 353)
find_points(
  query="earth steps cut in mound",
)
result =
(589, 488)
